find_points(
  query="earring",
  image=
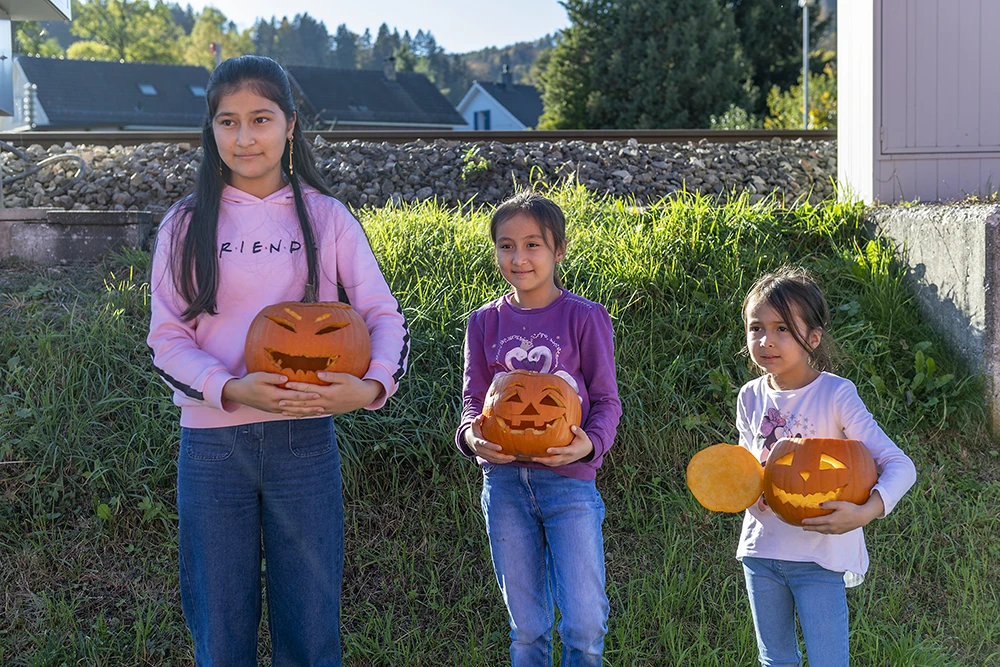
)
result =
(291, 148)
(220, 166)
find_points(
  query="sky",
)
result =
(457, 25)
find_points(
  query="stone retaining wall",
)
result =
(154, 176)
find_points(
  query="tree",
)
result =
(770, 34)
(365, 50)
(384, 47)
(210, 27)
(786, 107)
(345, 54)
(184, 17)
(643, 64)
(125, 30)
(31, 38)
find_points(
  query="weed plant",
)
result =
(87, 461)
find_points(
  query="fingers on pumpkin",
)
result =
(725, 478)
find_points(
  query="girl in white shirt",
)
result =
(805, 569)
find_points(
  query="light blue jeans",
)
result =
(780, 588)
(276, 483)
(548, 549)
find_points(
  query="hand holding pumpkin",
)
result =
(482, 447)
(580, 447)
(342, 393)
(262, 391)
(846, 516)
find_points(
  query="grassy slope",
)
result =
(87, 530)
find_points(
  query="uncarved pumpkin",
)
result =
(801, 473)
(300, 340)
(725, 478)
(527, 412)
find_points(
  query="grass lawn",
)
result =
(87, 462)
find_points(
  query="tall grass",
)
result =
(87, 464)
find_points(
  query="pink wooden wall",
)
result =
(937, 86)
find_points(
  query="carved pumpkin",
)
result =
(527, 412)
(801, 473)
(725, 478)
(299, 340)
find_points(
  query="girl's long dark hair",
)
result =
(194, 252)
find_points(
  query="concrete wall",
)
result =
(953, 255)
(59, 237)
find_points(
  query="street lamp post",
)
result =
(804, 4)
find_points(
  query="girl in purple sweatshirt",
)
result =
(258, 463)
(543, 516)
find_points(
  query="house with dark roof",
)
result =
(371, 99)
(501, 106)
(81, 95)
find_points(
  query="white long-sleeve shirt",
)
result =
(262, 262)
(828, 407)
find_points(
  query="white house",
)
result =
(500, 106)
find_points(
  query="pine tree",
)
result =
(345, 55)
(643, 64)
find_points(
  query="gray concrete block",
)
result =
(59, 236)
(953, 256)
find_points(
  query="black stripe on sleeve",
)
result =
(405, 352)
(187, 390)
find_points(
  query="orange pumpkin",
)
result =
(725, 478)
(801, 473)
(300, 340)
(527, 412)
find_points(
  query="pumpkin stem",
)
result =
(310, 295)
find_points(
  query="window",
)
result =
(147, 89)
(481, 120)
(197, 91)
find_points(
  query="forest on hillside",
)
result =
(628, 64)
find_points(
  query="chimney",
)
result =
(506, 78)
(389, 68)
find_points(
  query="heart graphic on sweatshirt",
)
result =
(538, 359)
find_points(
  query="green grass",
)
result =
(87, 461)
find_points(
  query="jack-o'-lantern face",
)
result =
(299, 340)
(528, 412)
(802, 473)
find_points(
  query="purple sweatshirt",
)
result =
(571, 337)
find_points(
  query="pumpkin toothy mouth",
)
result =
(519, 428)
(812, 500)
(303, 363)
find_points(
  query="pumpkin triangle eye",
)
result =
(548, 400)
(786, 460)
(282, 323)
(513, 398)
(827, 462)
(330, 328)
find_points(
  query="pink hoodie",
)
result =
(261, 262)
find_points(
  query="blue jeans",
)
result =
(547, 546)
(780, 588)
(238, 486)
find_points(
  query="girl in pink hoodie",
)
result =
(258, 472)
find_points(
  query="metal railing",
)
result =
(404, 136)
